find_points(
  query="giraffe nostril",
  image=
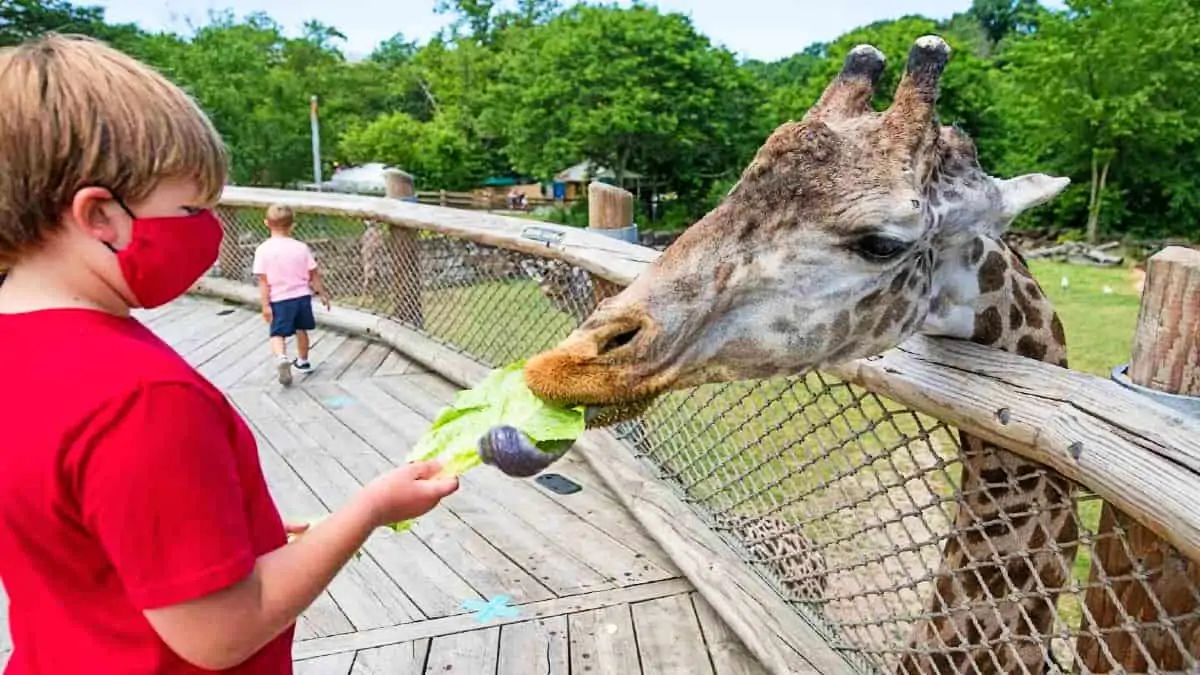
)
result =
(618, 340)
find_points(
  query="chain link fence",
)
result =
(843, 500)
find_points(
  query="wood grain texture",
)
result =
(1166, 357)
(538, 647)
(603, 642)
(405, 658)
(476, 651)
(669, 638)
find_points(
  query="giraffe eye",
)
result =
(880, 248)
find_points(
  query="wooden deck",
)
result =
(592, 592)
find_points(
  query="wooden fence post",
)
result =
(1165, 358)
(609, 208)
(406, 254)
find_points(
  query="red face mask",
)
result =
(166, 255)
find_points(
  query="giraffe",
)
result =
(848, 232)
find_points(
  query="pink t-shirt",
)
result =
(287, 263)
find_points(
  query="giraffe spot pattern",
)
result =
(1031, 347)
(989, 326)
(991, 273)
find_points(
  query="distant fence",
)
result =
(838, 491)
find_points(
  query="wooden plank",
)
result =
(597, 505)
(384, 423)
(489, 570)
(197, 346)
(395, 364)
(406, 658)
(367, 362)
(334, 664)
(668, 636)
(475, 651)
(543, 639)
(338, 361)
(246, 328)
(534, 509)
(603, 642)
(402, 389)
(449, 625)
(729, 656)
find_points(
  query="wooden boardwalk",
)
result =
(592, 592)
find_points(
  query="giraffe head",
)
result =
(848, 232)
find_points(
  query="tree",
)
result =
(1103, 94)
(627, 89)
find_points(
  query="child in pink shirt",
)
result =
(287, 278)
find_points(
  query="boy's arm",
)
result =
(264, 295)
(159, 487)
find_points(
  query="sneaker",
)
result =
(285, 373)
(305, 367)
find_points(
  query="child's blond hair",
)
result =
(75, 113)
(280, 216)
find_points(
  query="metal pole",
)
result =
(316, 141)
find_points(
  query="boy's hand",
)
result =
(406, 492)
(267, 314)
(324, 300)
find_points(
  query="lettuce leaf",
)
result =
(502, 397)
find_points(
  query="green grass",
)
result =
(1099, 326)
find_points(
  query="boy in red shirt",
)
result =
(137, 534)
(288, 278)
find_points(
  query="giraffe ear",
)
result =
(1018, 195)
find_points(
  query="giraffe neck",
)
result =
(993, 600)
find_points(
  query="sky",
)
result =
(760, 29)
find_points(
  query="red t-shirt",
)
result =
(127, 482)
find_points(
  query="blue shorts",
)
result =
(289, 316)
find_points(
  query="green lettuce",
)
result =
(502, 397)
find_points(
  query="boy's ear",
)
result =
(90, 210)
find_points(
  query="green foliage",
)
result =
(1101, 93)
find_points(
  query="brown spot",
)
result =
(841, 325)
(989, 326)
(782, 324)
(991, 273)
(894, 314)
(721, 279)
(1037, 539)
(1056, 331)
(1033, 315)
(1015, 318)
(1031, 347)
(868, 302)
(976, 250)
(899, 280)
(1062, 363)
(1033, 290)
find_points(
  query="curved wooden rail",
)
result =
(1139, 455)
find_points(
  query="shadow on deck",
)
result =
(593, 593)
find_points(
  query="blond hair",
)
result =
(280, 215)
(77, 113)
